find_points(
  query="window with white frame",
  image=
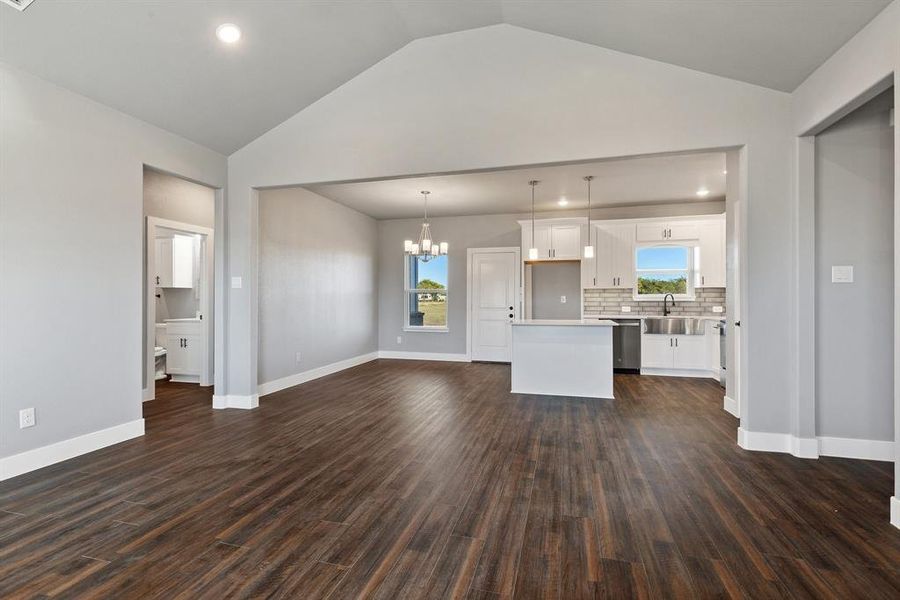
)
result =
(426, 293)
(661, 270)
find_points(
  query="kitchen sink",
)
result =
(674, 326)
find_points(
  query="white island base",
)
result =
(563, 358)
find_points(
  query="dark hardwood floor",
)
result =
(404, 479)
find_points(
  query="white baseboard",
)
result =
(298, 378)
(731, 407)
(895, 511)
(233, 401)
(763, 441)
(31, 460)
(185, 379)
(856, 448)
(441, 356)
(693, 373)
(814, 447)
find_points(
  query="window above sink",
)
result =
(664, 269)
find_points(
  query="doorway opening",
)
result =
(178, 344)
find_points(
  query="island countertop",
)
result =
(565, 322)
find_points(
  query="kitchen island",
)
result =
(563, 357)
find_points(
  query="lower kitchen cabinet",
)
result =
(184, 350)
(674, 352)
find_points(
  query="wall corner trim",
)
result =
(895, 511)
(761, 441)
(232, 401)
(731, 406)
(440, 356)
(304, 376)
(38, 458)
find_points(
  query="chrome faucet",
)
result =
(666, 304)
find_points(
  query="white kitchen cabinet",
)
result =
(666, 231)
(565, 242)
(184, 349)
(674, 352)
(689, 352)
(657, 351)
(709, 256)
(175, 262)
(613, 263)
(554, 241)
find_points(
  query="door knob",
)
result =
(510, 315)
(510, 308)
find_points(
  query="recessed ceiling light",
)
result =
(563, 202)
(703, 192)
(725, 172)
(228, 33)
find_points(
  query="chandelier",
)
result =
(425, 248)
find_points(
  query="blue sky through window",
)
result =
(435, 270)
(662, 257)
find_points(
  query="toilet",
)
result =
(159, 351)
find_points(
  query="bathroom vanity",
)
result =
(184, 349)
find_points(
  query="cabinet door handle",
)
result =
(157, 280)
(670, 234)
(676, 342)
(702, 280)
(670, 342)
(664, 233)
(185, 343)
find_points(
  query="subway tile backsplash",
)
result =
(610, 302)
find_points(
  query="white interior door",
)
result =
(494, 303)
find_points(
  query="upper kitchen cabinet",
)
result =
(554, 239)
(709, 255)
(613, 262)
(662, 231)
(175, 262)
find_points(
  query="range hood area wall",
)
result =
(548, 284)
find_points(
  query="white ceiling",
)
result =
(627, 182)
(160, 61)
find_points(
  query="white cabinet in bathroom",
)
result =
(184, 349)
(175, 262)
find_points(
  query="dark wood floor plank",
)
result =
(409, 479)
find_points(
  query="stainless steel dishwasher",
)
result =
(627, 346)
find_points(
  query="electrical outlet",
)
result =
(297, 357)
(718, 309)
(26, 418)
(626, 309)
(562, 299)
(399, 339)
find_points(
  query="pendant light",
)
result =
(589, 249)
(532, 252)
(425, 248)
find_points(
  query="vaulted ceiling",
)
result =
(159, 60)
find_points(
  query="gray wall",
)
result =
(550, 281)
(177, 199)
(483, 231)
(317, 282)
(854, 322)
(70, 257)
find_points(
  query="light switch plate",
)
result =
(842, 274)
(236, 282)
(562, 299)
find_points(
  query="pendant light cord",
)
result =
(533, 183)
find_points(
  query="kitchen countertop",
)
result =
(639, 316)
(185, 320)
(591, 322)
